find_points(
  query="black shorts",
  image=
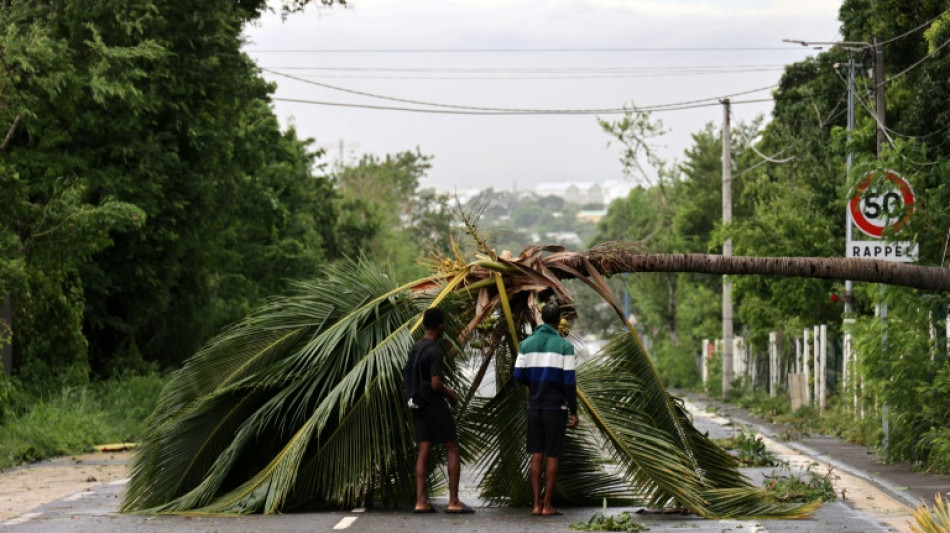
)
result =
(546, 429)
(434, 423)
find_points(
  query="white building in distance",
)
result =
(586, 192)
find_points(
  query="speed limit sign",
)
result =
(889, 205)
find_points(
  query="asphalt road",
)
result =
(94, 510)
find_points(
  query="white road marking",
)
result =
(359, 510)
(23, 518)
(345, 523)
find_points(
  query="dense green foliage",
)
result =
(387, 216)
(150, 196)
(515, 219)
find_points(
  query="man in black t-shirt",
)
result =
(433, 421)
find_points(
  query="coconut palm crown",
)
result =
(299, 405)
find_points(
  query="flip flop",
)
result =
(464, 510)
(555, 513)
(427, 510)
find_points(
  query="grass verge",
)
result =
(74, 419)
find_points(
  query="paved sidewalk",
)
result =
(897, 480)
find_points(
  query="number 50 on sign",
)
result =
(875, 208)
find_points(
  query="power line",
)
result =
(512, 50)
(916, 64)
(537, 78)
(908, 32)
(863, 97)
(537, 70)
(506, 110)
(504, 74)
(513, 113)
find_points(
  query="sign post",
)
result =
(875, 209)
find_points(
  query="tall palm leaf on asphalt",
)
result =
(299, 405)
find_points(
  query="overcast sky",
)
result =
(437, 52)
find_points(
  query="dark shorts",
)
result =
(434, 423)
(546, 429)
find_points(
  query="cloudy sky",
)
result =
(524, 54)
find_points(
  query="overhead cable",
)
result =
(915, 65)
(529, 70)
(908, 32)
(507, 110)
(542, 77)
(538, 112)
(864, 99)
(505, 74)
(511, 50)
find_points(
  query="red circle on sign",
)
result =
(862, 222)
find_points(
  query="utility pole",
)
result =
(880, 110)
(726, 250)
(850, 360)
(848, 229)
(881, 107)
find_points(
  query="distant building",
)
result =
(585, 192)
(591, 215)
(567, 238)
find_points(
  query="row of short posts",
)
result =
(808, 378)
(743, 363)
(805, 376)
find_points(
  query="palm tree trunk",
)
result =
(616, 257)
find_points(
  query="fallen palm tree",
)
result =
(299, 405)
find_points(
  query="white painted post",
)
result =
(738, 357)
(704, 356)
(773, 363)
(933, 335)
(816, 361)
(798, 353)
(847, 366)
(824, 367)
(806, 363)
(753, 366)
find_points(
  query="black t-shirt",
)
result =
(430, 364)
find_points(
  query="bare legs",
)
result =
(543, 507)
(454, 467)
(425, 448)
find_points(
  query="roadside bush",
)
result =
(8, 396)
(76, 418)
(806, 485)
(675, 365)
(758, 402)
(839, 419)
(752, 451)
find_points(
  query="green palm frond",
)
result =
(667, 459)
(300, 405)
(310, 384)
(497, 429)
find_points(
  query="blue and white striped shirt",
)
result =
(546, 365)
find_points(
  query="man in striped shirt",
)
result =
(546, 365)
